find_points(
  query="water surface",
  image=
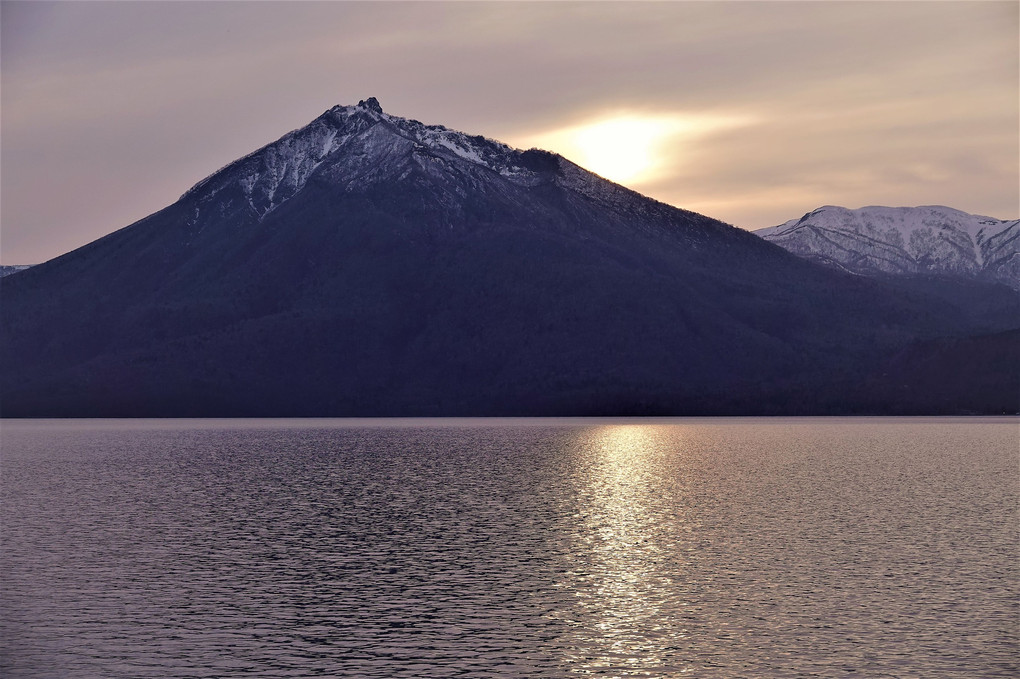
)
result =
(510, 548)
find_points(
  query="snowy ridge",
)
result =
(276, 172)
(273, 174)
(905, 240)
(353, 147)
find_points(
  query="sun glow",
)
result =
(621, 149)
(630, 148)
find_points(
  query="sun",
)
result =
(625, 148)
(631, 148)
(621, 149)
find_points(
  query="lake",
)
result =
(842, 547)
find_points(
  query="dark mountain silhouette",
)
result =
(970, 375)
(371, 265)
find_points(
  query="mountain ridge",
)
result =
(930, 239)
(304, 150)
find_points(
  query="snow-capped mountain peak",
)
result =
(905, 240)
(354, 147)
(273, 174)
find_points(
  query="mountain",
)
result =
(8, 269)
(371, 265)
(905, 240)
(967, 375)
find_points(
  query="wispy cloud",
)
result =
(120, 107)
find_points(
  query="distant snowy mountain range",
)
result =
(930, 239)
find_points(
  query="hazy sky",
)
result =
(753, 113)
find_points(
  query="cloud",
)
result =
(123, 106)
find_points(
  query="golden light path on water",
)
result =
(628, 554)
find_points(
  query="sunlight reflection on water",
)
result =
(628, 555)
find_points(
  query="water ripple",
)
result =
(706, 548)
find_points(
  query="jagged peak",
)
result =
(371, 104)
